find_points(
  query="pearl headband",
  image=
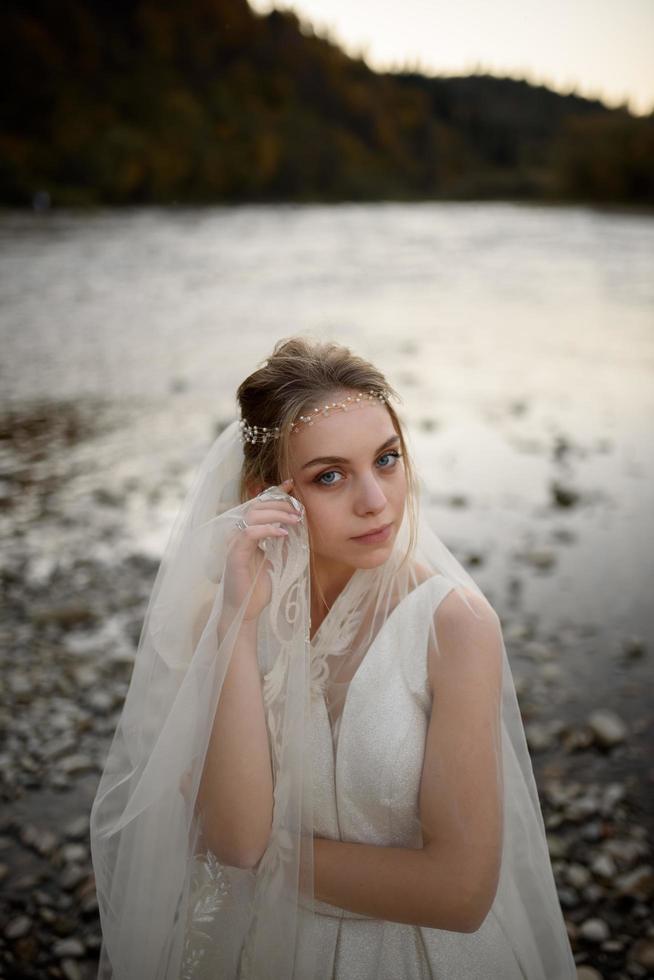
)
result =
(262, 433)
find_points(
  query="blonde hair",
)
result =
(298, 376)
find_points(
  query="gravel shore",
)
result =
(70, 628)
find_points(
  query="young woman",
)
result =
(320, 770)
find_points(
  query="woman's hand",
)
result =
(245, 558)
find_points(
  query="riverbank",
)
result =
(76, 586)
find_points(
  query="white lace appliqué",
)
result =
(210, 890)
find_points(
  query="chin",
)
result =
(373, 557)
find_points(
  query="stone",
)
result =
(78, 828)
(642, 952)
(594, 930)
(588, 973)
(18, 927)
(607, 728)
(638, 883)
(74, 853)
(577, 875)
(69, 947)
(72, 876)
(71, 970)
(73, 764)
(604, 867)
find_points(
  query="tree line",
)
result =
(136, 102)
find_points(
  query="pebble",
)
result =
(638, 883)
(594, 930)
(603, 867)
(70, 947)
(607, 728)
(71, 970)
(588, 973)
(642, 952)
(18, 927)
(578, 875)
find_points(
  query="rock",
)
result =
(613, 794)
(74, 853)
(542, 558)
(558, 846)
(642, 952)
(539, 737)
(633, 647)
(537, 650)
(78, 828)
(66, 615)
(607, 728)
(594, 893)
(563, 496)
(70, 947)
(43, 842)
(551, 673)
(594, 930)
(568, 898)
(592, 831)
(18, 927)
(625, 852)
(70, 970)
(577, 738)
(101, 701)
(577, 875)
(73, 764)
(72, 876)
(588, 973)
(638, 883)
(604, 867)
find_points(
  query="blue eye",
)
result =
(391, 454)
(329, 483)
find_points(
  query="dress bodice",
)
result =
(367, 769)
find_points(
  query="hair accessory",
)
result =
(262, 433)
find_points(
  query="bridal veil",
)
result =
(169, 907)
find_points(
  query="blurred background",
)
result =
(461, 193)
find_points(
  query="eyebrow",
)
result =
(341, 459)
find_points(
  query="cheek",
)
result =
(323, 516)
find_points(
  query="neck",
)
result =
(328, 579)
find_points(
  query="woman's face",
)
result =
(348, 472)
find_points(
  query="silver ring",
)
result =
(241, 524)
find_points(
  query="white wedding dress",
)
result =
(366, 784)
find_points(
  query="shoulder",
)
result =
(459, 603)
(466, 638)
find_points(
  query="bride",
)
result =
(320, 769)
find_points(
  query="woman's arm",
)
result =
(235, 798)
(451, 881)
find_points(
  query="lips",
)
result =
(374, 530)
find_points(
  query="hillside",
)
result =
(140, 102)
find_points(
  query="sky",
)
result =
(598, 48)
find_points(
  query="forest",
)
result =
(125, 102)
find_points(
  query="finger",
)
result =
(265, 515)
(257, 531)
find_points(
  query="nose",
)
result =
(370, 498)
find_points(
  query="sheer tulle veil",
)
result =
(169, 907)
